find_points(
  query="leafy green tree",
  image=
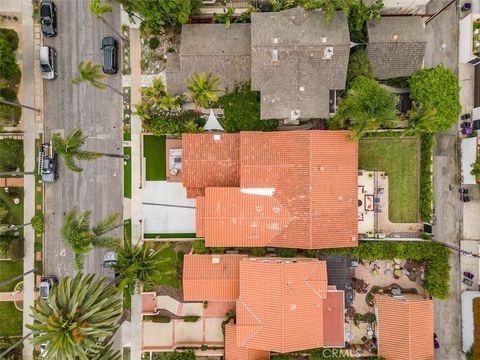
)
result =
(476, 168)
(11, 155)
(82, 237)
(201, 88)
(242, 111)
(157, 15)
(79, 314)
(358, 65)
(92, 73)
(9, 69)
(36, 222)
(98, 9)
(435, 93)
(367, 106)
(138, 265)
(199, 247)
(225, 18)
(11, 37)
(358, 16)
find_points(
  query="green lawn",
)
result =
(16, 211)
(11, 320)
(9, 269)
(170, 236)
(399, 157)
(168, 269)
(127, 174)
(154, 152)
(127, 136)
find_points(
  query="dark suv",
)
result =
(109, 56)
(48, 18)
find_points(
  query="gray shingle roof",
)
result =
(211, 48)
(305, 72)
(396, 46)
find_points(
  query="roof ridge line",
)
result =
(283, 307)
(260, 325)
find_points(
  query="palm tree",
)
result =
(171, 103)
(93, 74)
(98, 9)
(70, 149)
(202, 89)
(76, 318)
(138, 265)
(82, 237)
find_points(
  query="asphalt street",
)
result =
(98, 113)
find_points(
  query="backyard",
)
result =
(154, 153)
(399, 158)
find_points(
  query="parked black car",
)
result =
(48, 18)
(109, 55)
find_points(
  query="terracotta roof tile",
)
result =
(234, 352)
(200, 217)
(334, 318)
(281, 306)
(207, 161)
(313, 177)
(405, 328)
(211, 277)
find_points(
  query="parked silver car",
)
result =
(48, 62)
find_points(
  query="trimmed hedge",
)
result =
(199, 247)
(11, 36)
(191, 318)
(156, 318)
(285, 252)
(476, 328)
(433, 256)
(426, 186)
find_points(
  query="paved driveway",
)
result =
(98, 114)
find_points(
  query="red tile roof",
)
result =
(211, 277)
(405, 328)
(313, 179)
(234, 352)
(284, 306)
(200, 217)
(209, 160)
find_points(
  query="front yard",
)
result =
(154, 154)
(399, 158)
(11, 319)
(9, 269)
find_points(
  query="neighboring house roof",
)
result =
(298, 189)
(283, 306)
(296, 60)
(211, 48)
(396, 46)
(209, 160)
(234, 352)
(211, 277)
(404, 328)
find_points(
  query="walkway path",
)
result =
(136, 203)
(11, 296)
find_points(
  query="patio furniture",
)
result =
(463, 191)
(376, 200)
(380, 191)
(467, 282)
(465, 125)
(467, 115)
(468, 131)
(468, 275)
(388, 272)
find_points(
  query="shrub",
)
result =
(38, 223)
(11, 37)
(284, 252)
(476, 328)
(153, 43)
(157, 318)
(16, 249)
(358, 15)
(241, 108)
(191, 318)
(426, 187)
(434, 257)
(217, 250)
(258, 251)
(358, 65)
(11, 155)
(9, 69)
(5, 241)
(368, 318)
(199, 247)
(435, 93)
(183, 355)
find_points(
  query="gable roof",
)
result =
(211, 277)
(297, 189)
(405, 328)
(209, 160)
(311, 59)
(234, 352)
(281, 306)
(211, 48)
(396, 46)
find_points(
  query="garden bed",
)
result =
(155, 49)
(386, 290)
